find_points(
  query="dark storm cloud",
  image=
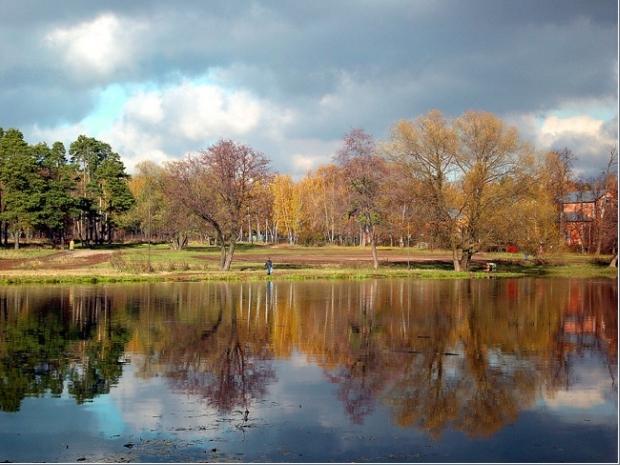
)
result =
(336, 64)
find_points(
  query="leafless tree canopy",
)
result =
(218, 185)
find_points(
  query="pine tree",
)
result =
(59, 181)
(102, 191)
(21, 184)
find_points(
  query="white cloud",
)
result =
(554, 127)
(165, 124)
(206, 111)
(135, 144)
(593, 387)
(590, 138)
(100, 46)
(146, 107)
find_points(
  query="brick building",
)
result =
(582, 212)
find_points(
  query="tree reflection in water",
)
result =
(220, 365)
(360, 377)
(460, 354)
(68, 339)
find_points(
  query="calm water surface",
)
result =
(390, 370)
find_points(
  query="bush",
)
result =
(118, 262)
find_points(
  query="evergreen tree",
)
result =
(21, 184)
(102, 191)
(59, 181)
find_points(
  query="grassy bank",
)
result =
(199, 263)
(76, 277)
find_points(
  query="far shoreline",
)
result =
(199, 263)
(570, 271)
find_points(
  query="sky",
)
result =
(160, 79)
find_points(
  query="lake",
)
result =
(380, 370)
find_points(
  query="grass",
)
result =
(130, 263)
(281, 275)
(12, 254)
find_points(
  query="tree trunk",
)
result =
(16, 244)
(229, 256)
(465, 260)
(373, 249)
(455, 259)
(614, 262)
(179, 241)
(222, 254)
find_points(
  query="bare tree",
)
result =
(558, 180)
(218, 186)
(363, 170)
(602, 190)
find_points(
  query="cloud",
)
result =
(590, 139)
(101, 46)
(280, 75)
(593, 388)
(554, 127)
(165, 124)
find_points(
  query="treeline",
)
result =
(466, 184)
(45, 191)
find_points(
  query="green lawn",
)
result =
(199, 262)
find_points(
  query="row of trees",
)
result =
(466, 184)
(44, 191)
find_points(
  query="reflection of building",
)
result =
(585, 319)
(585, 326)
(580, 210)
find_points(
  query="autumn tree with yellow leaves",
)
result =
(286, 207)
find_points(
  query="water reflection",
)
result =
(56, 342)
(467, 355)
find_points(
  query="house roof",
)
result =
(581, 197)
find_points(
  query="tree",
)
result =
(57, 204)
(218, 185)
(487, 154)
(363, 171)
(557, 178)
(103, 193)
(21, 184)
(324, 199)
(146, 188)
(425, 150)
(605, 211)
(530, 221)
(286, 206)
(464, 169)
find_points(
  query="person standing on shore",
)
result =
(269, 266)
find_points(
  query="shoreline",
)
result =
(92, 277)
